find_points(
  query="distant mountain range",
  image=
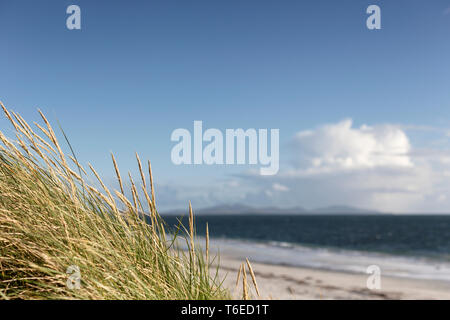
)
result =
(244, 209)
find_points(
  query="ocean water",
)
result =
(415, 246)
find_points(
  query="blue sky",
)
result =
(134, 73)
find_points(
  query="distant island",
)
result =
(239, 208)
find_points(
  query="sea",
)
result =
(410, 246)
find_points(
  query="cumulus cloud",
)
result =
(340, 146)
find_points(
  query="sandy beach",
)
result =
(285, 282)
(297, 273)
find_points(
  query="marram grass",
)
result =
(52, 219)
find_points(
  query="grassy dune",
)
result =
(56, 229)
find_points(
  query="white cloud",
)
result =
(339, 146)
(279, 187)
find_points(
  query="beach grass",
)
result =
(64, 238)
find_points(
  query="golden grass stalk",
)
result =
(191, 232)
(207, 248)
(244, 284)
(119, 179)
(140, 171)
(151, 184)
(252, 274)
(238, 275)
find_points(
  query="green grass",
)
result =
(51, 218)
